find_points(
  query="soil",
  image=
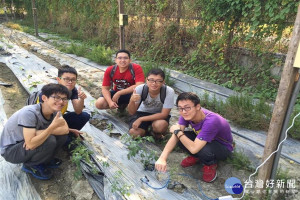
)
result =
(64, 186)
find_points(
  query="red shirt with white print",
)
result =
(123, 80)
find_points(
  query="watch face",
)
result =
(176, 132)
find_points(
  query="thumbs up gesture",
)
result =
(81, 94)
(58, 120)
(135, 97)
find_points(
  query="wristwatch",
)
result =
(177, 131)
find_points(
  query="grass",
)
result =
(241, 109)
(14, 26)
(240, 161)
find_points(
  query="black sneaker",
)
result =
(55, 163)
(38, 171)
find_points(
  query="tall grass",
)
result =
(241, 110)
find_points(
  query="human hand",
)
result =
(75, 131)
(116, 97)
(81, 94)
(25, 147)
(58, 120)
(135, 97)
(174, 127)
(161, 165)
(136, 123)
(113, 105)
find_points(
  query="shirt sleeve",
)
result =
(139, 74)
(139, 90)
(27, 119)
(169, 101)
(74, 94)
(106, 78)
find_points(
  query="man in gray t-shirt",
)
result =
(154, 109)
(33, 134)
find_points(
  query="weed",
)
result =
(117, 186)
(241, 109)
(101, 55)
(79, 50)
(240, 161)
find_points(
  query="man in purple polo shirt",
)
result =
(210, 140)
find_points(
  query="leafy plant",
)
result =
(80, 153)
(136, 148)
(118, 186)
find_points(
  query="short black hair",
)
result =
(188, 96)
(54, 88)
(123, 51)
(156, 71)
(66, 69)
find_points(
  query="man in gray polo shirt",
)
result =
(33, 134)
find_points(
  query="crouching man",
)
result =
(33, 134)
(210, 140)
(150, 105)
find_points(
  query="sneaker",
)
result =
(55, 163)
(189, 161)
(38, 171)
(209, 173)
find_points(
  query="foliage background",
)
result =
(205, 38)
(198, 36)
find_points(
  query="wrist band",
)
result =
(181, 136)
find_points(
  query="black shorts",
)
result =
(145, 124)
(123, 100)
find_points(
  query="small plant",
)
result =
(117, 186)
(240, 161)
(109, 128)
(105, 164)
(136, 148)
(80, 153)
(34, 85)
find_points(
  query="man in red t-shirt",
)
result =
(119, 93)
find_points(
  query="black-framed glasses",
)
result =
(155, 81)
(122, 58)
(58, 99)
(72, 80)
(186, 109)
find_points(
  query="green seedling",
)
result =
(118, 186)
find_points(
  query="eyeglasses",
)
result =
(58, 99)
(72, 80)
(186, 109)
(122, 58)
(155, 81)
